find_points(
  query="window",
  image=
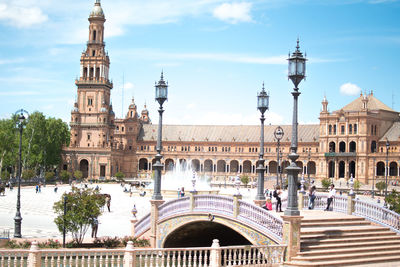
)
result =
(90, 101)
(375, 130)
(330, 129)
(342, 129)
(334, 129)
(350, 129)
(94, 35)
(88, 137)
(122, 129)
(355, 128)
(93, 53)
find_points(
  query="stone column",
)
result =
(34, 257)
(215, 255)
(350, 204)
(302, 196)
(192, 202)
(291, 235)
(154, 218)
(129, 255)
(133, 220)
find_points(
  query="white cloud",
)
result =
(233, 13)
(21, 16)
(129, 85)
(349, 89)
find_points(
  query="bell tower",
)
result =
(92, 118)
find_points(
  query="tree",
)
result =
(78, 175)
(83, 205)
(28, 174)
(393, 201)
(65, 176)
(49, 176)
(244, 179)
(120, 176)
(357, 184)
(326, 182)
(8, 143)
(380, 186)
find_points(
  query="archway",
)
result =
(234, 166)
(380, 169)
(84, 168)
(311, 167)
(272, 167)
(201, 234)
(208, 165)
(299, 164)
(342, 169)
(353, 146)
(247, 166)
(169, 164)
(352, 168)
(143, 164)
(331, 169)
(196, 165)
(221, 166)
(393, 169)
(342, 147)
(332, 147)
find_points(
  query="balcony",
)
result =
(340, 154)
(93, 81)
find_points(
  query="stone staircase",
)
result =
(345, 241)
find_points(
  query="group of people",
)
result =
(181, 192)
(311, 197)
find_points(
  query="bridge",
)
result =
(201, 216)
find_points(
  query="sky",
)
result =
(215, 54)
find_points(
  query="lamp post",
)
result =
(161, 97)
(278, 135)
(21, 119)
(296, 73)
(64, 219)
(373, 181)
(386, 171)
(262, 106)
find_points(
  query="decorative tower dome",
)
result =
(324, 104)
(145, 115)
(97, 11)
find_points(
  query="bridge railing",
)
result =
(172, 207)
(261, 219)
(214, 203)
(214, 256)
(143, 225)
(377, 214)
(339, 202)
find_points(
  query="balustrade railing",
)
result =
(214, 256)
(261, 219)
(180, 205)
(339, 203)
(214, 203)
(378, 214)
(142, 225)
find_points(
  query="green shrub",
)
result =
(120, 176)
(108, 242)
(78, 175)
(50, 243)
(326, 182)
(65, 176)
(380, 186)
(142, 242)
(48, 176)
(28, 174)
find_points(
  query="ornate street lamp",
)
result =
(351, 184)
(386, 171)
(296, 73)
(161, 97)
(262, 106)
(278, 135)
(194, 181)
(21, 120)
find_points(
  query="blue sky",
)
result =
(214, 53)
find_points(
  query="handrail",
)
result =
(214, 203)
(142, 225)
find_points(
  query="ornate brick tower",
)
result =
(92, 119)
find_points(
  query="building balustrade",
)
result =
(340, 154)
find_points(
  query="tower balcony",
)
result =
(94, 81)
(96, 43)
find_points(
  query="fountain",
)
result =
(182, 175)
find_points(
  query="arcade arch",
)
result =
(84, 168)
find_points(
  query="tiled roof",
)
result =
(226, 133)
(373, 104)
(393, 133)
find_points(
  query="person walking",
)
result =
(108, 202)
(311, 196)
(95, 227)
(331, 195)
(182, 192)
(277, 195)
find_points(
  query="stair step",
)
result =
(327, 256)
(351, 238)
(349, 250)
(348, 262)
(313, 246)
(332, 224)
(338, 235)
(341, 219)
(339, 230)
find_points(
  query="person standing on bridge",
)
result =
(331, 195)
(277, 195)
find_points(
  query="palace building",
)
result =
(356, 140)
